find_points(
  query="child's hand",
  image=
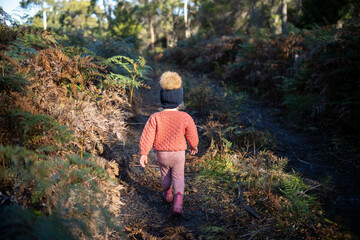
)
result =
(143, 160)
(193, 151)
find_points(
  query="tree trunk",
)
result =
(100, 24)
(152, 35)
(170, 32)
(284, 17)
(107, 9)
(298, 11)
(167, 34)
(187, 22)
(151, 29)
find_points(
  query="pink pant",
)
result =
(172, 169)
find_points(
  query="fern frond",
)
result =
(294, 190)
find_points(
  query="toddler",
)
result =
(165, 131)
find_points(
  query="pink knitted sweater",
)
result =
(166, 131)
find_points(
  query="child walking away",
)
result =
(165, 131)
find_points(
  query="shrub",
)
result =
(68, 191)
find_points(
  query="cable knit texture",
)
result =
(166, 131)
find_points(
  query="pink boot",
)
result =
(168, 196)
(177, 207)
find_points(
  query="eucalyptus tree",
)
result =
(53, 7)
(126, 22)
(171, 21)
(168, 20)
(162, 20)
(221, 17)
(284, 17)
(149, 12)
(186, 19)
(67, 15)
(108, 10)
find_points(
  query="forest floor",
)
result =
(146, 216)
(313, 153)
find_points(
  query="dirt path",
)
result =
(146, 216)
(311, 153)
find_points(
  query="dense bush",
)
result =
(313, 73)
(70, 193)
(59, 108)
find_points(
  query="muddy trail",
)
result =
(146, 216)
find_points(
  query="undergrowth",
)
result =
(313, 73)
(70, 192)
(283, 200)
(237, 155)
(59, 109)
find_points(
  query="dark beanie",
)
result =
(171, 93)
(171, 98)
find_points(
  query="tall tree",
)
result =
(284, 16)
(186, 20)
(125, 23)
(151, 27)
(220, 16)
(108, 11)
(66, 15)
(169, 20)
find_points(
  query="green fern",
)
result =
(36, 127)
(20, 51)
(299, 105)
(133, 77)
(28, 42)
(72, 51)
(294, 190)
(36, 38)
(11, 81)
(137, 68)
(65, 186)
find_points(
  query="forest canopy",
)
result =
(164, 23)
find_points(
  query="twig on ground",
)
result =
(149, 165)
(304, 161)
(309, 189)
(244, 205)
(91, 179)
(269, 190)
(129, 215)
(254, 233)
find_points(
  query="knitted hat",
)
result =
(171, 93)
